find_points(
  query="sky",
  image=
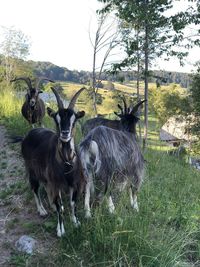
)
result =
(59, 31)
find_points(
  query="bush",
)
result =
(169, 101)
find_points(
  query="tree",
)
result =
(14, 47)
(104, 42)
(158, 34)
(169, 101)
(195, 95)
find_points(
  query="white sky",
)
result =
(59, 31)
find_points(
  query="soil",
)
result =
(18, 215)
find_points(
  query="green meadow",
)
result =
(164, 233)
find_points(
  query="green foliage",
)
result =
(15, 43)
(195, 90)
(195, 95)
(168, 101)
(148, 24)
(14, 47)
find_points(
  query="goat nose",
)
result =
(32, 102)
(64, 132)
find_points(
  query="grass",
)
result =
(161, 234)
(165, 232)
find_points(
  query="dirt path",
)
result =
(18, 214)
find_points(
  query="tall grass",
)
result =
(165, 233)
(10, 113)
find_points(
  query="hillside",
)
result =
(63, 74)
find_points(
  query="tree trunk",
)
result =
(138, 92)
(146, 52)
(94, 83)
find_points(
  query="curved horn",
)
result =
(39, 80)
(26, 79)
(120, 107)
(59, 101)
(74, 98)
(125, 106)
(135, 108)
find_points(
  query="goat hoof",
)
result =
(43, 212)
(88, 215)
(60, 230)
(77, 224)
(60, 233)
(135, 207)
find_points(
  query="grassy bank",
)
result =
(164, 233)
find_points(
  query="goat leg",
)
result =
(35, 187)
(87, 200)
(73, 197)
(60, 210)
(111, 206)
(133, 198)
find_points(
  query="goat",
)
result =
(113, 157)
(114, 124)
(51, 159)
(33, 109)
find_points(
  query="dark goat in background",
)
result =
(51, 159)
(114, 124)
(33, 109)
(112, 157)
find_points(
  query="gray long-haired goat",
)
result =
(51, 159)
(111, 157)
(33, 109)
(114, 124)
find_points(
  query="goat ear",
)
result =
(80, 114)
(50, 112)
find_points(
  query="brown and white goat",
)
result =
(33, 109)
(51, 159)
(113, 158)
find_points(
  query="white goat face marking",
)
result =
(72, 120)
(58, 119)
(65, 120)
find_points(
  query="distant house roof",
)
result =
(165, 136)
(176, 128)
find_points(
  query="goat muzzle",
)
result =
(32, 103)
(65, 136)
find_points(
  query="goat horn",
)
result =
(26, 79)
(125, 106)
(59, 101)
(74, 98)
(42, 79)
(120, 108)
(135, 108)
